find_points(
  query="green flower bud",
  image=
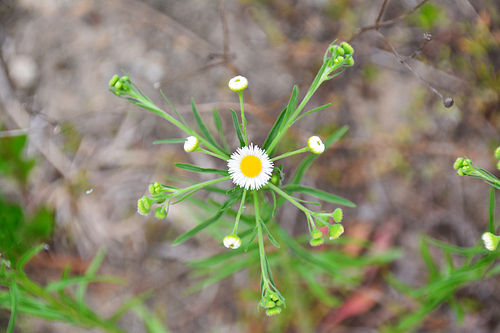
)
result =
(270, 304)
(125, 78)
(316, 241)
(113, 80)
(152, 189)
(338, 59)
(347, 48)
(460, 172)
(275, 179)
(273, 296)
(497, 153)
(160, 213)
(458, 163)
(273, 311)
(339, 51)
(144, 205)
(337, 215)
(335, 231)
(279, 303)
(349, 61)
(118, 85)
(316, 234)
(498, 165)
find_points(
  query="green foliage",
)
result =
(12, 162)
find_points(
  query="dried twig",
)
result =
(448, 102)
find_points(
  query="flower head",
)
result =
(238, 83)
(250, 167)
(232, 241)
(315, 145)
(490, 241)
(191, 144)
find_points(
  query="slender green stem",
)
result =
(288, 197)
(243, 119)
(240, 211)
(212, 154)
(260, 237)
(201, 185)
(298, 151)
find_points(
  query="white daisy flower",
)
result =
(238, 83)
(250, 167)
(191, 144)
(315, 145)
(232, 241)
(490, 241)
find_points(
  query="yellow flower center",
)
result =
(251, 166)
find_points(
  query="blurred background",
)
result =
(90, 155)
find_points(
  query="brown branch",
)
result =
(379, 24)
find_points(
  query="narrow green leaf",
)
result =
(292, 103)
(471, 250)
(322, 195)
(220, 128)
(169, 141)
(428, 260)
(14, 294)
(313, 110)
(194, 168)
(252, 237)
(237, 128)
(306, 163)
(274, 131)
(131, 303)
(203, 127)
(89, 273)
(221, 274)
(152, 323)
(492, 212)
(175, 110)
(234, 190)
(27, 257)
(61, 284)
(271, 238)
(273, 213)
(190, 233)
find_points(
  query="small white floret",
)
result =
(315, 145)
(191, 144)
(238, 83)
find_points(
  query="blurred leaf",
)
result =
(13, 310)
(152, 323)
(12, 162)
(220, 128)
(428, 260)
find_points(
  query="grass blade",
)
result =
(14, 294)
